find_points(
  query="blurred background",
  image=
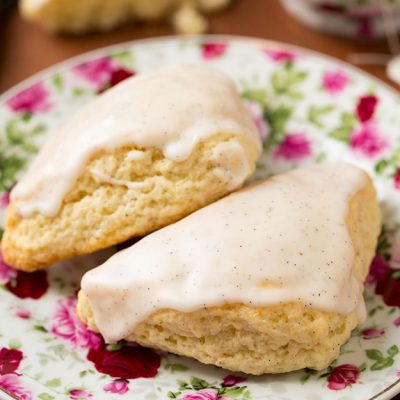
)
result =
(366, 34)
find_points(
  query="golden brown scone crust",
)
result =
(96, 214)
(259, 340)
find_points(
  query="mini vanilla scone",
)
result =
(142, 155)
(269, 279)
(77, 16)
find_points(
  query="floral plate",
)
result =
(308, 108)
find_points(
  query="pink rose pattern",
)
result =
(12, 384)
(23, 314)
(22, 284)
(199, 389)
(67, 326)
(4, 200)
(232, 380)
(366, 107)
(130, 361)
(28, 285)
(372, 333)
(295, 147)
(335, 81)
(78, 394)
(396, 322)
(397, 179)
(212, 50)
(96, 72)
(116, 76)
(10, 360)
(367, 140)
(280, 56)
(35, 99)
(343, 376)
(102, 73)
(118, 386)
(389, 289)
(384, 270)
(205, 394)
(378, 271)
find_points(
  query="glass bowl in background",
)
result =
(360, 19)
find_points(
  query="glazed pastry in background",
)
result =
(78, 16)
(268, 279)
(140, 156)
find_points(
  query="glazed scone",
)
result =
(267, 280)
(142, 155)
(76, 16)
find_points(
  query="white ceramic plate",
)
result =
(317, 109)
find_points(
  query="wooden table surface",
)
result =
(26, 49)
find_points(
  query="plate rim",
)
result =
(209, 37)
(390, 391)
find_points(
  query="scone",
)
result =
(78, 16)
(142, 155)
(268, 279)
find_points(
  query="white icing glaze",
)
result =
(172, 109)
(279, 241)
(117, 182)
(134, 155)
(230, 164)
